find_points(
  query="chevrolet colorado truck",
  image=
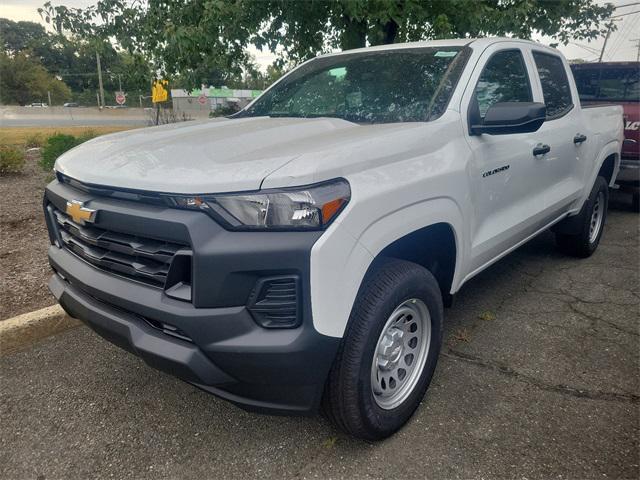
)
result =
(298, 255)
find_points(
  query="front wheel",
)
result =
(389, 351)
(591, 220)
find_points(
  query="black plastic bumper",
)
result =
(223, 349)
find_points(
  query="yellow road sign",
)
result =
(159, 91)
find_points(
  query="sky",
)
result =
(622, 44)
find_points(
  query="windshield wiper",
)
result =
(346, 117)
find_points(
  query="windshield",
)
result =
(621, 84)
(408, 85)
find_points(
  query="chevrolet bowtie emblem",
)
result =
(79, 213)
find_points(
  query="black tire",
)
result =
(581, 244)
(635, 202)
(348, 400)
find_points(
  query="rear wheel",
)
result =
(591, 223)
(389, 351)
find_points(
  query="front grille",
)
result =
(144, 259)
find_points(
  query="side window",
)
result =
(504, 79)
(555, 84)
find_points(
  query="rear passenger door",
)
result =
(562, 169)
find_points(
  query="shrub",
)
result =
(55, 146)
(59, 143)
(11, 159)
(223, 112)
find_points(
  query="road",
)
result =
(539, 378)
(68, 117)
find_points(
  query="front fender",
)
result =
(340, 258)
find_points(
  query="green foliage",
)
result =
(206, 40)
(11, 159)
(18, 36)
(73, 59)
(24, 80)
(55, 146)
(59, 143)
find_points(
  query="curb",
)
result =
(18, 332)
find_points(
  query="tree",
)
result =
(24, 80)
(73, 59)
(18, 36)
(195, 38)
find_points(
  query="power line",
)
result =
(624, 14)
(93, 74)
(628, 27)
(627, 5)
(588, 49)
(619, 38)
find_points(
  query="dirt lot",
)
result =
(24, 270)
(538, 379)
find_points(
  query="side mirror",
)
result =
(509, 117)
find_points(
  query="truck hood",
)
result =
(199, 157)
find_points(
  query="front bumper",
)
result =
(221, 348)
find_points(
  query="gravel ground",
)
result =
(24, 270)
(539, 378)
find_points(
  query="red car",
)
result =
(619, 83)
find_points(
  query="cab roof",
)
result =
(475, 43)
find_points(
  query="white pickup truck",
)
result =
(299, 254)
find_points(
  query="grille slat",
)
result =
(144, 259)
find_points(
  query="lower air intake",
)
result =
(275, 302)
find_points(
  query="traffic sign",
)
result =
(120, 98)
(202, 99)
(159, 92)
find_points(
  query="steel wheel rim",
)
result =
(597, 216)
(400, 354)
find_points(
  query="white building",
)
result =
(217, 98)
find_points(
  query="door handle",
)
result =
(579, 138)
(541, 149)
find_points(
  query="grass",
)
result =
(11, 159)
(21, 136)
(460, 335)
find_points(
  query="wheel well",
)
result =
(606, 170)
(433, 247)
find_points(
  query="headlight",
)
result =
(301, 208)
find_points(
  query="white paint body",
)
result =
(403, 176)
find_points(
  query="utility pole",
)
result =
(100, 81)
(49, 96)
(637, 40)
(606, 39)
